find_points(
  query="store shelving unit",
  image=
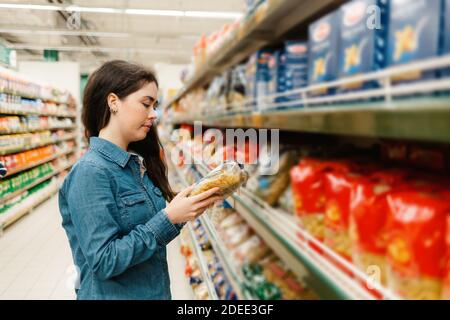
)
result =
(35, 164)
(37, 145)
(202, 265)
(27, 206)
(327, 273)
(267, 23)
(419, 110)
(6, 109)
(230, 268)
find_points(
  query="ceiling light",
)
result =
(212, 14)
(148, 12)
(28, 6)
(92, 10)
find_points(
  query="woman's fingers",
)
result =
(208, 202)
(205, 195)
(186, 191)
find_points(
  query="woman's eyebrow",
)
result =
(150, 98)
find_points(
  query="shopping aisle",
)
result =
(36, 262)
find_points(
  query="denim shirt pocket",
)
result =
(136, 210)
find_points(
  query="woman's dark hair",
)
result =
(123, 78)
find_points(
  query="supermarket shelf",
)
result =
(202, 265)
(18, 211)
(13, 172)
(219, 248)
(37, 130)
(26, 96)
(46, 114)
(418, 110)
(46, 177)
(267, 24)
(16, 150)
(233, 275)
(329, 275)
(420, 119)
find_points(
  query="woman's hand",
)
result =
(183, 208)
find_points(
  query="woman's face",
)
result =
(136, 113)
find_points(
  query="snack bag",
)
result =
(228, 177)
(416, 248)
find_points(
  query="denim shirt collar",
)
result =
(110, 151)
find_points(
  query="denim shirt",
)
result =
(116, 224)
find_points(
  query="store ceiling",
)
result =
(99, 37)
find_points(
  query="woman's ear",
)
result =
(113, 102)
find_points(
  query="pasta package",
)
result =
(308, 188)
(338, 186)
(228, 177)
(368, 214)
(416, 247)
(415, 30)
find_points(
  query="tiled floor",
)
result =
(36, 262)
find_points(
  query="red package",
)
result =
(338, 186)
(416, 248)
(308, 187)
(446, 278)
(368, 213)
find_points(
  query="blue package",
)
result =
(363, 38)
(296, 68)
(415, 28)
(323, 48)
(274, 78)
(262, 77)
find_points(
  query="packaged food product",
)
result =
(268, 185)
(415, 30)
(308, 187)
(232, 220)
(323, 63)
(446, 278)
(286, 201)
(236, 235)
(219, 213)
(362, 49)
(368, 214)
(201, 292)
(251, 250)
(228, 177)
(416, 249)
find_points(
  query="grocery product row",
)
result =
(15, 163)
(10, 104)
(239, 264)
(21, 142)
(364, 211)
(37, 143)
(360, 37)
(12, 186)
(28, 200)
(23, 124)
(16, 85)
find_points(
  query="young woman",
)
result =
(113, 202)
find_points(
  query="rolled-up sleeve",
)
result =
(92, 209)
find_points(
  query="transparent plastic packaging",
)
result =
(228, 177)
